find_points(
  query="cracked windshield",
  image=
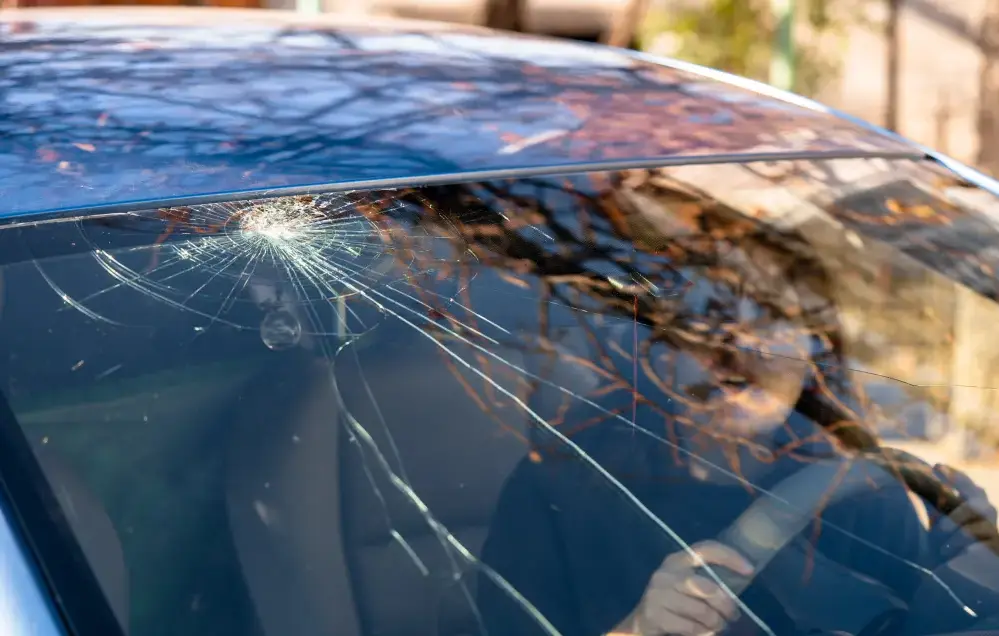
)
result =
(747, 398)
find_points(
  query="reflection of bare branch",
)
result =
(629, 249)
(743, 260)
(157, 111)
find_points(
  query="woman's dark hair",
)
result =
(648, 229)
(617, 245)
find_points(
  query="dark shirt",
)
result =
(581, 552)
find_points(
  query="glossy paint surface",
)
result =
(101, 111)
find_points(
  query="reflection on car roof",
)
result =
(104, 110)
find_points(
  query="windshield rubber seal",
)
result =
(450, 178)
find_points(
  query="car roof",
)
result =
(105, 107)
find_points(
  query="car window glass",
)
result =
(500, 407)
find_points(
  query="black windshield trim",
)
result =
(453, 178)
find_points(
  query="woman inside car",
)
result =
(607, 525)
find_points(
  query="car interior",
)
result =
(260, 487)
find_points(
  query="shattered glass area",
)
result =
(285, 256)
(497, 407)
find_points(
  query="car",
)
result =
(317, 326)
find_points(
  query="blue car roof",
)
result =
(119, 107)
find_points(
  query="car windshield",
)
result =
(505, 407)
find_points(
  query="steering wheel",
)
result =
(770, 524)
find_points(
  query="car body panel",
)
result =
(97, 112)
(25, 606)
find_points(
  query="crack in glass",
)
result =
(655, 274)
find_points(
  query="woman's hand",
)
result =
(680, 601)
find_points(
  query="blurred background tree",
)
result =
(504, 14)
(988, 91)
(625, 22)
(738, 36)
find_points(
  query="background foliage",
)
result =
(737, 36)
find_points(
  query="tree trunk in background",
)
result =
(505, 14)
(988, 91)
(892, 74)
(782, 65)
(625, 23)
